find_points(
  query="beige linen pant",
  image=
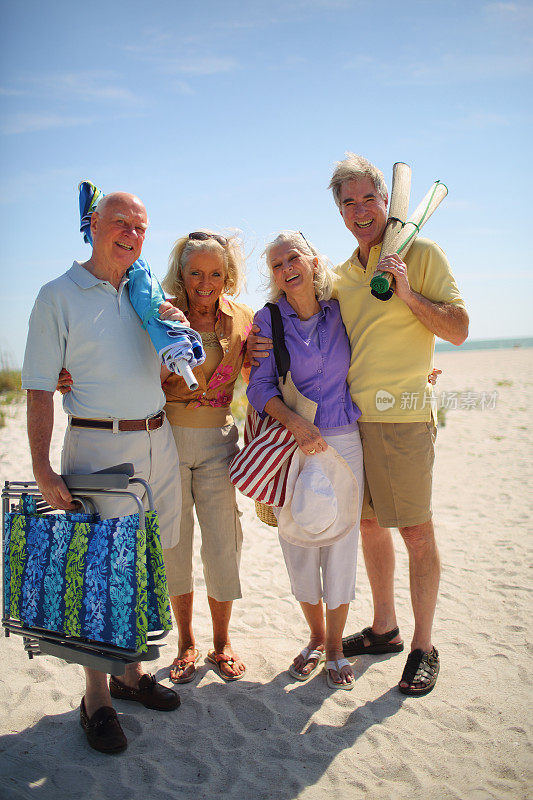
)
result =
(152, 453)
(205, 454)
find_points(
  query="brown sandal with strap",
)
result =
(221, 658)
(380, 643)
(420, 673)
(183, 663)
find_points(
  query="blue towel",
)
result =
(172, 340)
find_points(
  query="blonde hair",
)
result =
(184, 247)
(323, 277)
(353, 168)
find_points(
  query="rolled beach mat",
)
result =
(419, 217)
(398, 208)
(410, 230)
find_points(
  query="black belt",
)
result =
(149, 424)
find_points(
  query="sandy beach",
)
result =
(270, 738)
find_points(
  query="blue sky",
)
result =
(232, 115)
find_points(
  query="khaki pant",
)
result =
(154, 457)
(205, 454)
(398, 459)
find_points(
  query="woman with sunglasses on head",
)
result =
(205, 270)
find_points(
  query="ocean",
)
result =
(487, 344)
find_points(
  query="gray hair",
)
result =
(353, 168)
(323, 278)
(184, 247)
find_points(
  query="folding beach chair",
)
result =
(89, 591)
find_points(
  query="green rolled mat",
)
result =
(380, 282)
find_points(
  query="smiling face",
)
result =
(292, 270)
(204, 275)
(118, 229)
(364, 212)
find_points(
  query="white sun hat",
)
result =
(321, 500)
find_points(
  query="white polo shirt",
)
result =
(84, 324)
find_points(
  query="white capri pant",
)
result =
(205, 455)
(329, 572)
(154, 457)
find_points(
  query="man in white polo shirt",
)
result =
(84, 321)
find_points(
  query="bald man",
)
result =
(84, 321)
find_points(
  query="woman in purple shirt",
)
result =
(315, 337)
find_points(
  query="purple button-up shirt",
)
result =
(319, 372)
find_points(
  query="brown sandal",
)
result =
(221, 658)
(420, 673)
(183, 663)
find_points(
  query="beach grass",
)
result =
(10, 386)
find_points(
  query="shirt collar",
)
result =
(224, 306)
(373, 257)
(288, 311)
(85, 279)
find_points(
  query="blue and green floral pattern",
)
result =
(91, 579)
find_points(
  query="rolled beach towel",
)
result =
(178, 346)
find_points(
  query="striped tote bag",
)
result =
(260, 469)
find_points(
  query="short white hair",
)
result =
(323, 278)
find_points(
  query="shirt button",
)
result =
(320, 370)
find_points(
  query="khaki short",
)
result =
(398, 459)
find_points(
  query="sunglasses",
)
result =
(202, 236)
(305, 240)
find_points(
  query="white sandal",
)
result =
(337, 665)
(308, 655)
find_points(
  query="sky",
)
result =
(232, 115)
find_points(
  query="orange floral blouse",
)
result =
(232, 326)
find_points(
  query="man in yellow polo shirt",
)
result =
(392, 353)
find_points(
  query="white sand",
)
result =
(267, 737)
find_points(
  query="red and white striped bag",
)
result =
(260, 469)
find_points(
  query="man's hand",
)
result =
(257, 346)
(432, 377)
(40, 425)
(448, 321)
(64, 381)
(53, 489)
(168, 311)
(398, 268)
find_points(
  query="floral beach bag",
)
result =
(92, 579)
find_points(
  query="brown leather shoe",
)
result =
(103, 729)
(150, 693)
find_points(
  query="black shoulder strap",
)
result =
(281, 354)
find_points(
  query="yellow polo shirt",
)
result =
(392, 351)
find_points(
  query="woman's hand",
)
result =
(168, 311)
(307, 436)
(64, 381)
(432, 378)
